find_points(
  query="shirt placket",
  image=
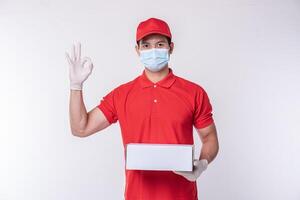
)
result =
(155, 100)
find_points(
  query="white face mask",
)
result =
(154, 59)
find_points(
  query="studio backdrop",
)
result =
(245, 54)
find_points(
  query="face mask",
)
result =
(154, 59)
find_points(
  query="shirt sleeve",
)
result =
(108, 106)
(203, 110)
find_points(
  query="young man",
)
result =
(155, 107)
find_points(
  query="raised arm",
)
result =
(82, 123)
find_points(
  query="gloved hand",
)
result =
(198, 168)
(79, 69)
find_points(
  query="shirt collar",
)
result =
(166, 82)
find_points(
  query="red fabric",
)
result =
(180, 105)
(152, 25)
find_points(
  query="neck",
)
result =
(157, 76)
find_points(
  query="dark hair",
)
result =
(168, 38)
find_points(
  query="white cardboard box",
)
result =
(145, 156)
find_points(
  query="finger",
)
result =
(73, 53)
(68, 58)
(78, 51)
(183, 172)
(86, 59)
(178, 172)
(196, 162)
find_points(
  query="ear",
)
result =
(171, 47)
(137, 50)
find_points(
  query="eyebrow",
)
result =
(143, 42)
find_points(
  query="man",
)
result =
(155, 107)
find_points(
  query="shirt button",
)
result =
(155, 100)
(154, 86)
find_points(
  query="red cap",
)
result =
(152, 25)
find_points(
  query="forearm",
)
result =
(78, 113)
(210, 148)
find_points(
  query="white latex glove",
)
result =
(79, 69)
(198, 168)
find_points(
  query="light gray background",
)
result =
(246, 54)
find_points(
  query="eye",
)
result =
(145, 45)
(161, 44)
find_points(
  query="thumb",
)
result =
(91, 66)
(179, 172)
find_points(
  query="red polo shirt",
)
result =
(162, 112)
